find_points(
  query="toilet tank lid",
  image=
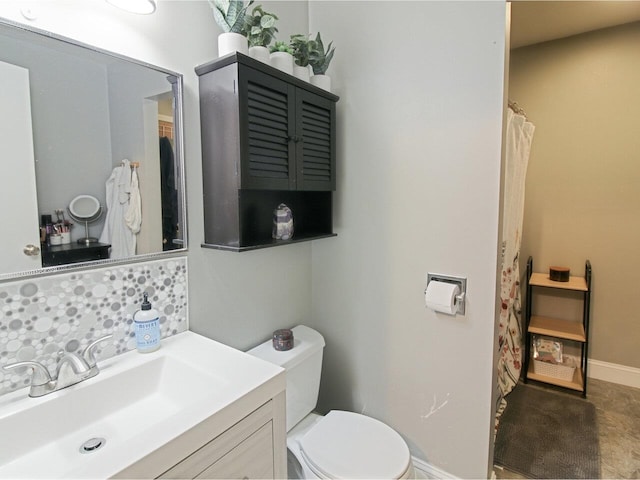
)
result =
(306, 342)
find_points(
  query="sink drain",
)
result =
(92, 445)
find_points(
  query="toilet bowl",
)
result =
(339, 444)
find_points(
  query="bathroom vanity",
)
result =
(253, 447)
(244, 439)
(192, 409)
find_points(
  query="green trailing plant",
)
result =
(230, 14)
(281, 47)
(302, 47)
(319, 58)
(260, 27)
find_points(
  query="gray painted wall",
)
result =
(421, 109)
(420, 126)
(240, 299)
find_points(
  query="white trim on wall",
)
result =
(614, 373)
(424, 470)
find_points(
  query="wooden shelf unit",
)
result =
(575, 331)
(543, 280)
(553, 327)
(575, 384)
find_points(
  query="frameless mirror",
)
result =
(73, 118)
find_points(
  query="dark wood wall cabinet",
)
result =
(267, 138)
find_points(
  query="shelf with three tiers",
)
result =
(575, 331)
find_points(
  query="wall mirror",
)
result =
(73, 117)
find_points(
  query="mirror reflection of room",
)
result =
(90, 115)
(171, 238)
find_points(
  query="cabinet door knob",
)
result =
(31, 250)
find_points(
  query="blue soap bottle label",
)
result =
(147, 334)
(146, 323)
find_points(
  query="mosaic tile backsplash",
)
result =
(41, 316)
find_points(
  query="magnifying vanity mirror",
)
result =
(71, 115)
(85, 209)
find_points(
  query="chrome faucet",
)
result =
(71, 369)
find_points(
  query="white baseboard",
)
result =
(424, 470)
(614, 373)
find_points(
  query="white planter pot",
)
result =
(232, 42)
(301, 72)
(260, 53)
(282, 61)
(322, 81)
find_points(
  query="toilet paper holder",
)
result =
(461, 282)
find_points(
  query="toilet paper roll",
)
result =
(441, 297)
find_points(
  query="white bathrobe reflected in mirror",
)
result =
(124, 215)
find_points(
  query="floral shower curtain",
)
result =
(518, 145)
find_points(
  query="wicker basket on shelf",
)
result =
(562, 371)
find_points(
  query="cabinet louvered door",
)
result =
(267, 126)
(315, 146)
(267, 138)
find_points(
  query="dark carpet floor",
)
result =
(548, 434)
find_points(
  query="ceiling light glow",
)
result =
(142, 7)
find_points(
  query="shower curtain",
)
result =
(518, 145)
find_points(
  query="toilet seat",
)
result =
(349, 445)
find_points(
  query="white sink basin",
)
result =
(137, 403)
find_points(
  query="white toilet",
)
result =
(339, 444)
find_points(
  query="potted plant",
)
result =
(282, 57)
(260, 28)
(319, 59)
(302, 47)
(229, 15)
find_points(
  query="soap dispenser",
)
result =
(147, 327)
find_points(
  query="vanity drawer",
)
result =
(243, 451)
(253, 458)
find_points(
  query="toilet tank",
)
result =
(303, 366)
